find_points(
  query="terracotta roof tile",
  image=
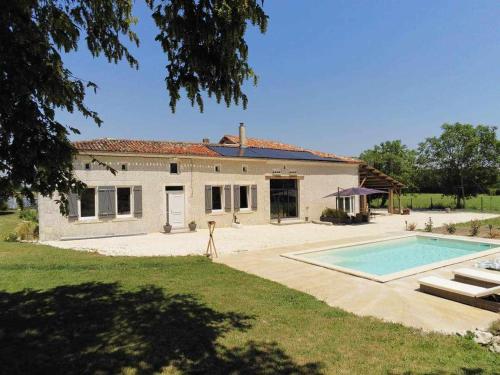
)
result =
(186, 148)
(144, 147)
(261, 143)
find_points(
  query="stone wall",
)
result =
(316, 180)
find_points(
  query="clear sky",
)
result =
(335, 76)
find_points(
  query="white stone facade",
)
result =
(315, 180)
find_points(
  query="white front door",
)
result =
(175, 208)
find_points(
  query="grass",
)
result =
(8, 222)
(490, 203)
(70, 312)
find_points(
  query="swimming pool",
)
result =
(390, 259)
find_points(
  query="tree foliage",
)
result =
(203, 40)
(394, 159)
(464, 160)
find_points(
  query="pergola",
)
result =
(372, 178)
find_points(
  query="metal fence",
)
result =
(438, 202)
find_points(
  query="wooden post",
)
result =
(364, 200)
(390, 203)
(211, 250)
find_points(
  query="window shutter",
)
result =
(208, 198)
(227, 198)
(138, 201)
(72, 205)
(107, 200)
(236, 189)
(254, 197)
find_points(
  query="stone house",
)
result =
(248, 180)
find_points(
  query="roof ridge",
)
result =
(136, 140)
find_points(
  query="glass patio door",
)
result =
(284, 198)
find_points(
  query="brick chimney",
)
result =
(243, 135)
(206, 141)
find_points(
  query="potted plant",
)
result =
(167, 228)
(192, 226)
(236, 222)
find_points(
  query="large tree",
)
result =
(393, 158)
(464, 160)
(204, 45)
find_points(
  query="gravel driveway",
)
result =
(257, 237)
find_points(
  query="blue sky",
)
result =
(335, 76)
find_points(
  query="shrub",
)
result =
(29, 214)
(475, 227)
(411, 227)
(495, 327)
(429, 225)
(27, 230)
(11, 237)
(450, 228)
(493, 234)
(332, 212)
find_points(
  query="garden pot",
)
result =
(192, 227)
(167, 228)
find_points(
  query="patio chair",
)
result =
(486, 279)
(483, 298)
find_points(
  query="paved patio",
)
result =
(258, 237)
(395, 301)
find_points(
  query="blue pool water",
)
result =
(386, 257)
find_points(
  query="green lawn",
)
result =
(490, 203)
(71, 312)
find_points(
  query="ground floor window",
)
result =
(123, 201)
(346, 204)
(216, 198)
(244, 197)
(87, 203)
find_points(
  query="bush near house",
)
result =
(29, 214)
(334, 216)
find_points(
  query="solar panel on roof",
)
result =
(267, 153)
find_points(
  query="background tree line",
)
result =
(463, 161)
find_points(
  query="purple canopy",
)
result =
(356, 191)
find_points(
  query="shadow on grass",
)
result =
(2, 213)
(100, 328)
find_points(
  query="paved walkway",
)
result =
(394, 301)
(257, 237)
